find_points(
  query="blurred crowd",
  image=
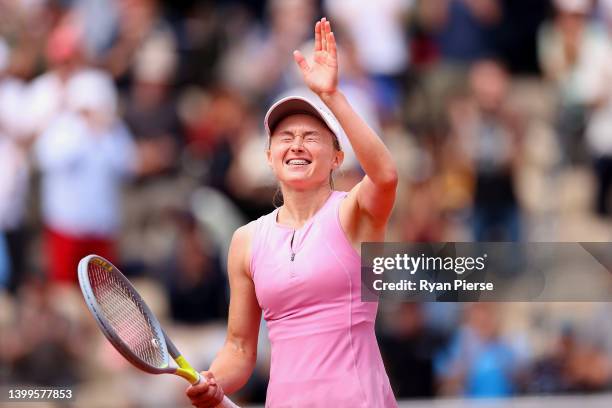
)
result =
(133, 129)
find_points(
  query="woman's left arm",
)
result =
(375, 194)
(369, 204)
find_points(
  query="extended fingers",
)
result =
(326, 40)
(322, 25)
(331, 44)
(300, 60)
(327, 26)
(318, 46)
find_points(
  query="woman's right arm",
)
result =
(235, 362)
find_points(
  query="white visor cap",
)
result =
(292, 105)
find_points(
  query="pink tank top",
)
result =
(307, 282)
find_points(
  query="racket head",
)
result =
(123, 316)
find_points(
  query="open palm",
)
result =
(322, 75)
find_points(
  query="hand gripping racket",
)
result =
(128, 323)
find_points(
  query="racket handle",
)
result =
(227, 403)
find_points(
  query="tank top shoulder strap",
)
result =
(261, 231)
(330, 220)
(330, 215)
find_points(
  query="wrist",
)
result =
(331, 98)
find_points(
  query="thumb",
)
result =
(301, 61)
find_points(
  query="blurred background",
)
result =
(133, 129)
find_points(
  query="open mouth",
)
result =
(297, 162)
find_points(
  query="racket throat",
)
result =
(191, 376)
(185, 370)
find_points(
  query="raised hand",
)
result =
(322, 75)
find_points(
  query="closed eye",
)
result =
(285, 137)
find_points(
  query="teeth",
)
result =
(297, 161)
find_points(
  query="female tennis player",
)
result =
(300, 264)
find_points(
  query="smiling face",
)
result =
(302, 152)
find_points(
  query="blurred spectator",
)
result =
(99, 19)
(377, 30)
(196, 284)
(224, 138)
(258, 63)
(203, 35)
(573, 366)
(516, 34)
(151, 107)
(5, 263)
(140, 27)
(486, 136)
(478, 362)
(604, 11)
(549, 374)
(84, 155)
(43, 345)
(27, 26)
(213, 123)
(47, 93)
(452, 34)
(14, 177)
(567, 46)
(424, 213)
(463, 28)
(408, 350)
(598, 100)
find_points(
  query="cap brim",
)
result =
(290, 106)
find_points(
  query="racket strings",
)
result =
(126, 315)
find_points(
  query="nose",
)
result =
(297, 144)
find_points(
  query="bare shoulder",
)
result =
(240, 248)
(244, 235)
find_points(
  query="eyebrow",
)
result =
(307, 133)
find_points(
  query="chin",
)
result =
(301, 183)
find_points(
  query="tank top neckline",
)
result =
(309, 221)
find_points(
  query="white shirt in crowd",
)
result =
(83, 171)
(597, 89)
(45, 98)
(377, 30)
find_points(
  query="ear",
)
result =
(338, 159)
(269, 157)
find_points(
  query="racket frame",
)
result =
(184, 369)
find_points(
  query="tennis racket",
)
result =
(128, 323)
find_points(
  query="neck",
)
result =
(301, 205)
